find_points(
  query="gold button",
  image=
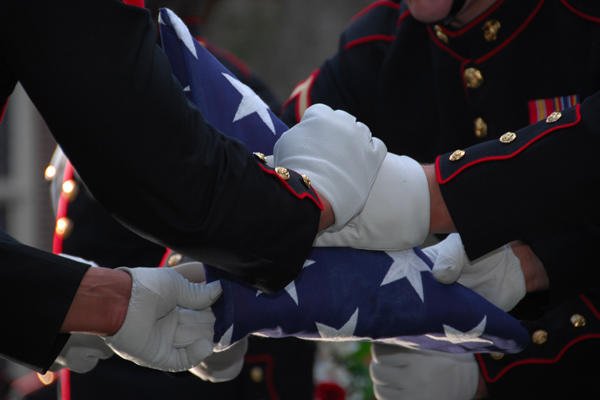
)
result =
(174, 259)
(48, 378)
(63, 226)
(69, 189)
(473, 77)
(50, 172)
(283, 173)
(256, 374)
(480, 128)
(439, 33)
(306, 180)
(540, 336)
(497, 356)
(456, 155)
(508, 137)
(490, 30)
(555, 116)
(260, 156)
(578, 320)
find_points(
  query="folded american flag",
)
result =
(341, 293)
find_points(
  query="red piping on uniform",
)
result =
(560, 354)
(590, 305)
(61, 212)
(290, 189)
(380, 3)
(164, 258)
(3, 112)
(495, 50)
(65, 384)
(368, 39)
(580, 13)
(268, 360)
(138, 3)
(472, 23)
(438, 172)
(402, 17)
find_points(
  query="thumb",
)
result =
(450, 261)
(198, 296)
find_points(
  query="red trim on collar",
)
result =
(380, 3)
(496, 50)
(301, 196)
(474, 22)
(402, 17)
(266, 359)
(368, 39)
(580, 13)
(438, 172)
(561, 353)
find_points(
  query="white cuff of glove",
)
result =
(396, 214)
(497, 276)
(224, 365)
(338, 154)
(400, 373)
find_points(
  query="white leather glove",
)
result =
(497, 276)
(224, 365)
(396, 214)
(337, 153)
(82, 353)
(401, 373)
(169, 324)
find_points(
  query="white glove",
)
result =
(338, 154)
(396, 214)
(169, 324)
(81, 353)
(497, 276)
(224, 365)
(400, 373)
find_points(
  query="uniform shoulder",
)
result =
(377, 21)
(589, 10)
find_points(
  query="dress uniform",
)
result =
(273, 369)
(425, 89)
(76, 69)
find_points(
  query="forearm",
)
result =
(100, 303)
(440, 220)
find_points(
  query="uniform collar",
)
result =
(487, 34)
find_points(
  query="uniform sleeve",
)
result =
(557, 362)
(107, 94)
(37, 289)
(538, 181)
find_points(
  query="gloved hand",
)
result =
(497, 276)
(337, 153)
(396, 214)
(224, 365)
(81, 353)
(400, 373)
(169, 325)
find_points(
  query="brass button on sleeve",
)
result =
(456, 155)
(256, 374)
(496, 356)
(63, 227)
(439, 33)
(555, 116)
(490, 30)
(508, 137)
(283, 173)
(174, 259)
(539, 337)
(49, 172)
(260, 156)
(306, 181)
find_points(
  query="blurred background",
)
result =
(281, 41)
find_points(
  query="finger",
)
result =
(198, 296)
(192, 271)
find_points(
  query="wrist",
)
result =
(532, 267)
(100, 303)
(327, 217)
(440, 220)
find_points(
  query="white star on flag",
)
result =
(346, 331)
(250, 103)
(456, 336)
(406, 265)
(181, 31)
